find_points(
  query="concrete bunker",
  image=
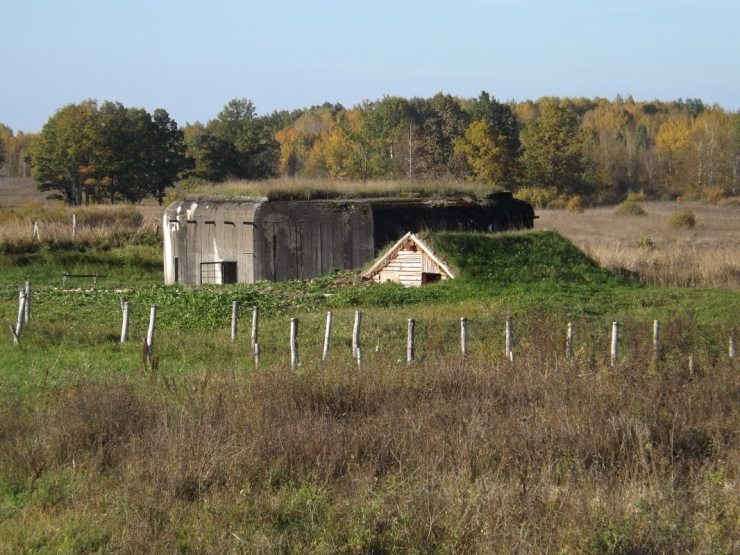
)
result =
(212, 239)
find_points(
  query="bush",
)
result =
(635, 196)
(685, 219)
(715, 195)
(629, 208)
(646, 243)
(575, 205)
(730, 201)
(538, 197)
(558, 204)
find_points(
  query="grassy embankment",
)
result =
(207, 454)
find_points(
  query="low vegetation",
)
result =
(685, 218)
(629, 208)
(102, 451)
(707, 255)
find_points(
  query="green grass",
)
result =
(100, 454)
(517, 274)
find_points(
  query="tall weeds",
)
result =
(443, 455)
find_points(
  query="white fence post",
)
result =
(150, 332)
(356, 333)
(692, 365)
(615, 342)
(293, 342)
(19, 320)
(656, 339)
(327, 335)
(35, 234)
(507, 350)
(74, 227)
(256, 355)
(569, 342)
(27, 313)
(731, 349)
(234, 318)
(255, 326)
(124, 327)
(410, 346)
(464, 336)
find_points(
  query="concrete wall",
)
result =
(281, 240)
(202, 229)
(276, 240)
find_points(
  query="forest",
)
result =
(548, 151)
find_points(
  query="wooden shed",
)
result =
(409, 262)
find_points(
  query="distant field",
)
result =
(17, 191)
(649, 250)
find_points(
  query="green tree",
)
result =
(66, 154)
(238, 144)
(552, 148)
(444, 120)
(2, 145)
(487, 152)
(502, 117)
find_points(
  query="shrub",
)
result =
(715, 195)
(629, 208)
(558, 204)
(575, 205)
(635, 196)
(730, 201)
(646, 243)
(682, 219)
(537, 196)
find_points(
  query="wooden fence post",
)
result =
(124, 327)
(692, 365)
(255, 326)
(656, 339)
(327, 335)
(150, 332)
(27, 313)
(410, 346)
(731, 349)
(359, 358)
(19, 320)
(293, 342)
(615, 342)
(256, 355)
(569, 342)
(234, 318)
(464, 336)
(507, 350)
(74, 227)
(356, 333)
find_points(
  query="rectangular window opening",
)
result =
(218, 273)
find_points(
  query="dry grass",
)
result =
(706, 256)
(94, 223)
(306, 189)
(442, 456)
(17, 191)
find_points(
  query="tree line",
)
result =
(597, 148)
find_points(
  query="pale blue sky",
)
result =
(192, 57)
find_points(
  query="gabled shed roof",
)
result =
(402, 243)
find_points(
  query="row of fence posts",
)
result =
(411, 345)
(36, 236)
(24, 315)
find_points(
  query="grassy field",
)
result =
(707, 255)
(102, 452)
